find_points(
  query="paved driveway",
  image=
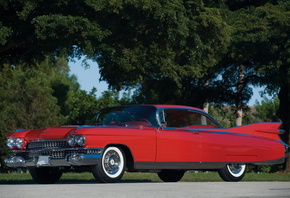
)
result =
(150, 190)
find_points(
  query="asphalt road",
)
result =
(150, 190)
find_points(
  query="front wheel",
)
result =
(233, 172)
(171, 175)
(45, 175)
(112, 166)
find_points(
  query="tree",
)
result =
(32, 30)
(170, 46)
(26, 102)
(145, 41)
(82, 108)
(26, 95)
(236, 70)
(273, 62)
(267, 110)
(262, 44)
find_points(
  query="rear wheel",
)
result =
(45, 175)
(233, 172)
(112, 166)
(171, 175)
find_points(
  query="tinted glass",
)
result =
(128, 115)
(185, 118)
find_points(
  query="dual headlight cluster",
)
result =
(15, 143)
(76, 140)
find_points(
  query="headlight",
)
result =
(10, 143)
(80, 140)
(18, 143)
(76, 140)
(15, 143)
(71, 141)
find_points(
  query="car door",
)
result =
(176, 141)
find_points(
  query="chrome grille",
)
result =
(47, 144)
(62, 153)
(53, 154)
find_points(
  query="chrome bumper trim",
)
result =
(72, 159)
(270, 162)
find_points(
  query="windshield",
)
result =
(128, 115)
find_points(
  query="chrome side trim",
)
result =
(180, 165)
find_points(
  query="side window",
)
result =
(185, 118)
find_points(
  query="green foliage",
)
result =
(26, 98)
(82, 107)
(48, 28)
(222, 114)
(45, 95)
(26, 101)
(272, 61)
(267, 110)
(261, 44)
(264, 111)
(169, 45)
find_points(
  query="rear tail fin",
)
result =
(264, 129)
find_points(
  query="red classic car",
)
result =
(166, 139)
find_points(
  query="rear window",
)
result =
(185, 118)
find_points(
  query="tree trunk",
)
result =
(239, 100)
(206, 103)
(239, 117)
(284, 114)
(205, 107)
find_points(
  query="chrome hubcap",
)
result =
(236, 169)
(112, 162)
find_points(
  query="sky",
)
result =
(89, 78)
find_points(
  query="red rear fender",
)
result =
(264, 129)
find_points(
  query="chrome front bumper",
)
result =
(42, 160)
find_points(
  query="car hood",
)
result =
(59, 132)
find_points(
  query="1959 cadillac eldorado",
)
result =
(166, 139)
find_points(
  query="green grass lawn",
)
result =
(25, 178)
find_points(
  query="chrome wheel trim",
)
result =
(236, 170)
(113, 162)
